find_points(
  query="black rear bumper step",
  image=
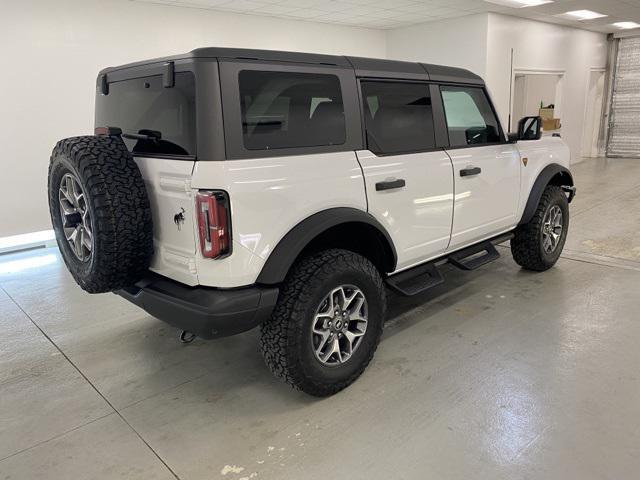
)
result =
(204, 311)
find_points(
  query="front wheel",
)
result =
(537, 244)
(327, 323)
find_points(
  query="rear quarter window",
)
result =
(143, 104)
(290, 110)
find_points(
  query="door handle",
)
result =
(470, 171)
(390, 184)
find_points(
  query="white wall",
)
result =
(52, 51)
(458, 42)
(542, 46)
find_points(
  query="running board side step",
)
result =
(474, 257)
(423, 277)
(416, 280)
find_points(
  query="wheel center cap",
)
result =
(338, 324)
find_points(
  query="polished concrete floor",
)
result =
(500, 373)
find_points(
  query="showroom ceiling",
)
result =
(396, 13)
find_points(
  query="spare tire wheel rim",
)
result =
(552, 229)
(76, 217)
(339, 325)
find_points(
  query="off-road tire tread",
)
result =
(123, 229)
(279, 334)
(525, 245)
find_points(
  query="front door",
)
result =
(409, 181)
(486, 169)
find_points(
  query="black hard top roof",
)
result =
(364, 67)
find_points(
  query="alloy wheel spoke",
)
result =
(323, 341)
(77, 242)
(71, 190)
(340, 299)
(351, 338)
(355, 302)
(328, 310)
(71, 237)
(357, 312)
(319, 323)
(334, 348)
(76, 217)
(86, 239)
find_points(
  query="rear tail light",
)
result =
(213, 223)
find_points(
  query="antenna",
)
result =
(510, 89)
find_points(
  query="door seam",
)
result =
(364, 181)
(453, 198)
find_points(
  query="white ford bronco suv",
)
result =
(226, 189)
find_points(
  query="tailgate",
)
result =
(168, 185)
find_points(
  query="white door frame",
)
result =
(600, 142)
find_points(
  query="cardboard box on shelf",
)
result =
(550, 124)
(546, 113)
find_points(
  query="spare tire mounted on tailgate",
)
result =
(100, 212)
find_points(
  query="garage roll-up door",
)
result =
(624, 130)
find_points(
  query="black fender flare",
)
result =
(287, 250)
(544, 178)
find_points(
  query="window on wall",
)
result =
(290, 110)
(398, 117)
(470, 119)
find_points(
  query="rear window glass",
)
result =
(398, 117)
(144, 106)
(290, 110)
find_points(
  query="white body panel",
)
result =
(417, 216)
(270, 196)
(168, 187)
(539, 154)
(485, 204)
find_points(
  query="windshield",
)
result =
(141, 105)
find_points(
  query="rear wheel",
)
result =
(327, 323)
(537, 245)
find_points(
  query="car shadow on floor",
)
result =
(235, 363)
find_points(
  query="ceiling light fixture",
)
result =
(626, 25)
(519, 3)
(582, 15)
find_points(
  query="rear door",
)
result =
(409, 179)
(486, 168)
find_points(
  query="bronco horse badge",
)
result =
(178, 218)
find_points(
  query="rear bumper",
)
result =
(206, 312)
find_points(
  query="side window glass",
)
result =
(470, 119)
(289, 110)
(398, 117)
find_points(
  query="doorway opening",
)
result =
(533, 90)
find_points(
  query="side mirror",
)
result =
(530, 128)
(513, 137)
